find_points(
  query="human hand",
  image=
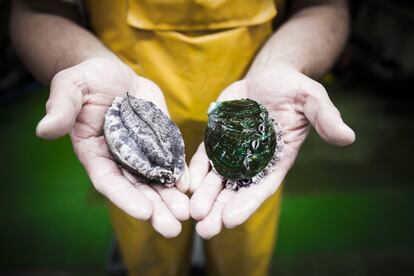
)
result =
(293, 100)
(79, 98)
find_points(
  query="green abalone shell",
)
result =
(242, 141)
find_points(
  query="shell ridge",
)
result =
(119, 141)
(142, 117)
(139, 131)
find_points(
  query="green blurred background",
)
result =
(346, 211)
(343, 208)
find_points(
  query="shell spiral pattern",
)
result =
(144, 140)
(242, 142)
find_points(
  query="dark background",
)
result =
(346, 211)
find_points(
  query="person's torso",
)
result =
(192, 49)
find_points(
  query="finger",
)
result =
(248, 200)
(163, 221)
(183, 184)
(324, 116)
(212, 224)
(131, 178)
(199, 167)
(121, 192)
(108, 179)
(176, 201)
(203, 198)
(64, 104)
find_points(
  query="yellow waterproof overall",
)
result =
(192, 49)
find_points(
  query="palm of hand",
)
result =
(293, 100)
(79, 99)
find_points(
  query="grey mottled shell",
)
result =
(144, 140)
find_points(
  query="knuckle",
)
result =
(60, 76)
(237, 85)
(99, 187)
(255, 81)
(318, 90)
(48, 105)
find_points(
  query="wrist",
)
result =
(279, 66)
(75, 59)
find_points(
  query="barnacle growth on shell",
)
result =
(144, 140)
(242, 142)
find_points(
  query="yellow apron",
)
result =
(192, 49)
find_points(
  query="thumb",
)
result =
(64, 104)
(324, 116)
(236, 90)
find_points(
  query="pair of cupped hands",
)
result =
(80, 96)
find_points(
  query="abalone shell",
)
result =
(242, 141)
(144, 140)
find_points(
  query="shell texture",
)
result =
(144, 140)
(242, 142)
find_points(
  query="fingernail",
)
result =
(41, 126)
(48, 128)
(348, 136)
